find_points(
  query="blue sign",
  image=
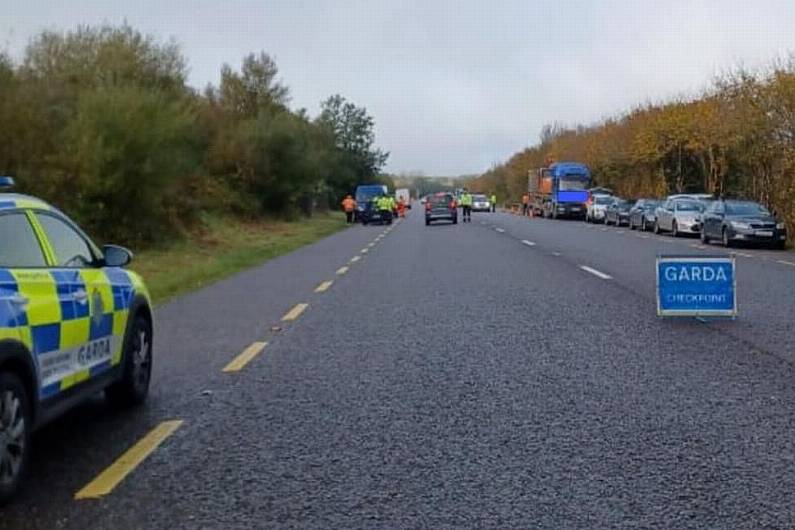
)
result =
(696, 286)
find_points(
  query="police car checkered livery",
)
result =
(73, 322)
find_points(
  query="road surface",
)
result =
(503, 373)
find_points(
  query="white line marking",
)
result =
(528, 243)
(603, 229)
(342, 270)
(595, 272)
(355, 259)
(620, 232)
(784, 262)
(500, 230)
(643, 237)
(743, 254)
(365, 251)
(696, 245)
(556, 253)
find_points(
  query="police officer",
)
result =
(466, 206)
(384, 205)
(493, 201)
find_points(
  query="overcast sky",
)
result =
(454, 86)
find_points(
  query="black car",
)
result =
(731, 221)
(642, 214)
(441, 206)
(617, 212)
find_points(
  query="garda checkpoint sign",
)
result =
(696, 286)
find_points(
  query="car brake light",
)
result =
(452, 204)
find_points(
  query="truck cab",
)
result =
(560, 190)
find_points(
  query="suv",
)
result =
(441, 206)
(73, 323)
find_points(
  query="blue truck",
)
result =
(560, 190)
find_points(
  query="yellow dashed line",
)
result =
(126, 463)
(245, 357)
(295, 312)
(323, 287)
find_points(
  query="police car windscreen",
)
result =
(687, 206)
(602, 200)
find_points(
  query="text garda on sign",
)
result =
(696, 286)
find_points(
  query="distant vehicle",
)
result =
(595, 212)
(371, 214)
(366, 193)
(679, 216)
(617, 212)
(405, 194)
(642, 214)
(598, 190)
(441, 206)
(423, 199)
(560, 190)
(480, 203)
(742, 222)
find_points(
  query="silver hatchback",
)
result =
(679, 217)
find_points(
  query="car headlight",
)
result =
(781, 226)
(740, 225)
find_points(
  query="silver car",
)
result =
(596, 208)
(679, 216)
(480, 203)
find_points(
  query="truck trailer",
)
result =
(560, 190)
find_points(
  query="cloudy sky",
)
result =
(454, 85)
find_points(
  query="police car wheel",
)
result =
(133, 386)
(15, 425)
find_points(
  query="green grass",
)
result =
(222, 248)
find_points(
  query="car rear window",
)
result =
(441, 199)
(602, 200)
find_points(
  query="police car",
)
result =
(73, 323)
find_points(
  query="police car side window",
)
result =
(71, 250)
(18, 244)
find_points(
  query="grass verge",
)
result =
(223, 247)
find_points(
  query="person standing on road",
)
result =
(349, 205)
(466, 206)
(493, 201)
(525, 203)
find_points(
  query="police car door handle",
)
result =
(18, 299)
(80, 296)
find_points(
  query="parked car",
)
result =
(617, 212)
(595, 212)
(742, 222)
(441, 206)
(679, 216)
(480, 203)
(642, 214)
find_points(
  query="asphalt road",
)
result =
(467, 376)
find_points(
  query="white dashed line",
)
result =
(355, 259)
(342, 270)
(696, 245)
(620, 232)
(596, 273)
(365, 251)
(500, 230)
(743, 254)
(784, 262)
(528, 243)
(556, 254)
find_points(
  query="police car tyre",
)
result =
(656, 227)
(704, 236)
(674, 229)
(133, 387)
(15, 424)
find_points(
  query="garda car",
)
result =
(480, 203)
(73, 322)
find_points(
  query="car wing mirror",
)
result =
(116, 256)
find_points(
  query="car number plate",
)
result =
(764, 233)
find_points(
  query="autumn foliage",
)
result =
(737, 139)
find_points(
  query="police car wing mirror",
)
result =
(116, 256)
